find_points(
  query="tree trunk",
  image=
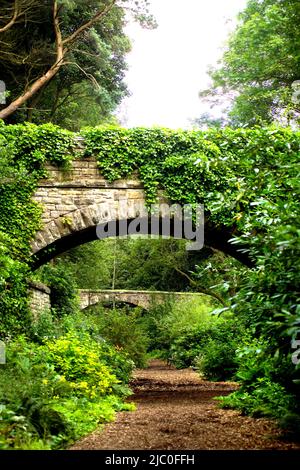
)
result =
(37, 85)
(61, 51)
(33, 104)
(13, 19)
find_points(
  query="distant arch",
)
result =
(143, 299)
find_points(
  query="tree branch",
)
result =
(19, 11)
(61, 51)
(58, 36)
(13, 19)
(202, 289)
(89, 76)
(89, 23)
(42, 81)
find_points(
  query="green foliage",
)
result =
(54, 393)
(43, 327)
(175, 160)
(121, 328)
(210, 347)
(92, 324)
(261, 63)
(77, 362)
(217, 358)
(33, 146)
(14, 311)
(151, 264)
(271, 289)
(218, 274)
(24, 151)
(248, 181)
(90, 84)
(266, 399)
(187, 334)
(86, 415)
(268, 300)
(265, 388)
(64, 297)
(79, 261)
(268, 305)
(132, 263)
(236, 165)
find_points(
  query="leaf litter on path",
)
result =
(176, 410)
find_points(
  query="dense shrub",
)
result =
(264, 383)
(266, 398)
(24, 150)
(217, 359)
(91, 324)
(121, 327)
(187, 334)
(77, 360)
(165, 323)
(210, 347)
(14, 309)
(46, 390)
(268, 304)
(64, 297)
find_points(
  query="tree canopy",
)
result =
(60, 58)
(261, 64)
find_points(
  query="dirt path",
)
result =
(176, 410)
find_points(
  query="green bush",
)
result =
(27, 386)
(266, 398)
(187, 334)
(210, 347)
(91, 324)
(44, 327)
(264, 380)
(121, 327)
(174, 322)
(64, 296)
(217, 360)
(46, 390)
(78, 362)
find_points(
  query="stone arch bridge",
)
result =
(144, 299)
(40, 297)
(76, 201)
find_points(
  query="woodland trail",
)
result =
(176, 410)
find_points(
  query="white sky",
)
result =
(168, 66)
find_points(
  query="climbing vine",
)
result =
(230, 171)
(226, 169)
(24, 151)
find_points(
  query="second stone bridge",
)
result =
(144, 299)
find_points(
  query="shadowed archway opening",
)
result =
(216, 238)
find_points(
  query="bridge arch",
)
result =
(144, 299)
(76, 202)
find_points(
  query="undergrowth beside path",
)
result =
(177, 410)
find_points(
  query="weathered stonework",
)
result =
(76, 201)
(80, 198)
(39, 298)
(144, 299)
